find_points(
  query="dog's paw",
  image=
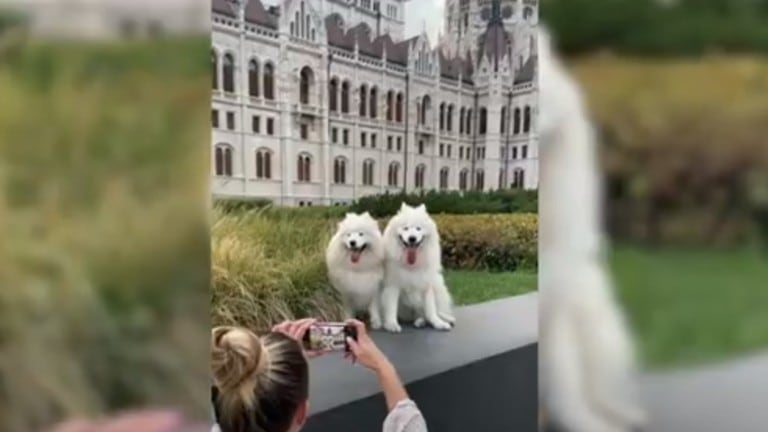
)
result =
(419, 323)
(393, 327)
(450, 319)
(375, 323)
(441, 325)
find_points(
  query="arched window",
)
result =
(253, 78)
(442, 116)
(527, 120)
(305, 86)
(393, 174)
(518, 178)
(463, 179)
(363, 99)
(368, 165)
(269, 81)
(426, 106)
(304, 168)
(215, 69)
(468, 126)
(333, 95)
(345, 97)
(399, 108)
(516, 129)
(528, 13)
(223, 160)
(419, 177)
(229, 73)
(374, 101)
(483, 121)
(462, 114)
(503, 122)
(340, 170)
(390, 105)
(263, 164)
(444, 178)
(449, 120)
(479, 180)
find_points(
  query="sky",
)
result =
(424, 13)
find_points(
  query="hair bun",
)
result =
(237, 360)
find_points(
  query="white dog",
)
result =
(413, 281)
(355, 260)
(586, 354)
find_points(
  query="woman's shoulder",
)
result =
(405, 417)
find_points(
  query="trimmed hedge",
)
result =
(472, 202)
(495, 242)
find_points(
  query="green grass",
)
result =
(469, 287)
(692, 306)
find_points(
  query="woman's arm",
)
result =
(404, 415)
(391, 385)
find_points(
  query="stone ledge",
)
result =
(451, 375)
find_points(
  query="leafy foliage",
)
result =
(437, 202)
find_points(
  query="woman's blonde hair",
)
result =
(258, 382)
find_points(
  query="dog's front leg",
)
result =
(430, 311)
(374, 311)
(349, 310)
(390, 297)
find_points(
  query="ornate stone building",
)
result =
(323, 101)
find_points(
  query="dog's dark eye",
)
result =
(418, 228)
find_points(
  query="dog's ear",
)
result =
(422, 208)
(349, 215)
(403, 206)
(367, 215)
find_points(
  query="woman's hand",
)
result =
(296, 331)
(364, 350)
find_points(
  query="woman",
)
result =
(261, 384)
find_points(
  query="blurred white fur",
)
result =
(585, 353)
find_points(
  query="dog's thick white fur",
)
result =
(585, 353)
(414, 287)
(355, 259)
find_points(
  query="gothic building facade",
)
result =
(320, 102)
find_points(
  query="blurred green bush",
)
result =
(683, 146)
(654, 27)
(104, 257)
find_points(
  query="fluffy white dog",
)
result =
(355, 260)
(586, 354)
(414, 287)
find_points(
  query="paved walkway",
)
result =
(730, 397)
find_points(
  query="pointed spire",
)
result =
(496, 13)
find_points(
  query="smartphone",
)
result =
(329, 337)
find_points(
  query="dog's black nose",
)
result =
(353, 243)
(412, 239)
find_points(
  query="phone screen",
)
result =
(327, 337)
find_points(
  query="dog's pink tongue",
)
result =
(355, 256)
(410, 255)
